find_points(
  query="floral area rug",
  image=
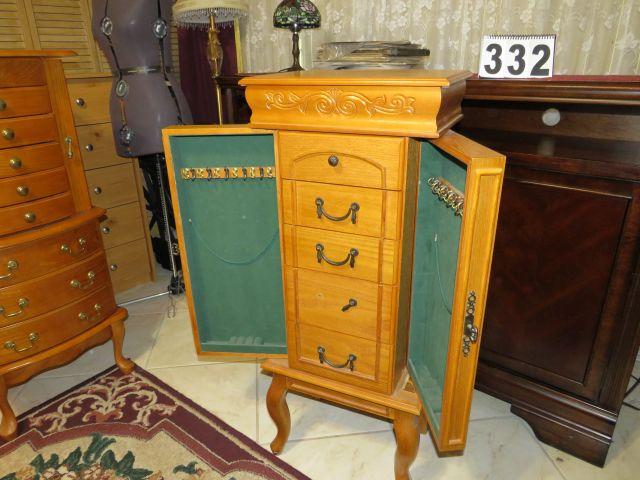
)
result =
(132, 427)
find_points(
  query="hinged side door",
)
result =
(224, 196)
(458, 199)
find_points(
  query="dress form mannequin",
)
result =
(145, 97)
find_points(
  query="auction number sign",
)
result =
(517, 56)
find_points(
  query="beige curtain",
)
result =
(593, 36)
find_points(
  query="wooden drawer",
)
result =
(321, 300)
(39, 212)
(43, 294)
(21, 72)
(368, 211)
(360, 160)
(90, 100)
(112, 186)
(370, 366)
(98, 149)
(32, 336)
(25, 160)
(17, 132)
(31, 260)
(129, 265)
(32, 187)
(374, 261)
(20, 102)
(122, 225)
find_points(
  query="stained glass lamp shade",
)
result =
(296, 15)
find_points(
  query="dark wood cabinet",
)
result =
(563, 315)
(562, 320)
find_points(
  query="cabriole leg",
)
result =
(117, 336)
(407, 429)
(279, 411)
(8, 424)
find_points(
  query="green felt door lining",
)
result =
(434, 275)
(231, 236)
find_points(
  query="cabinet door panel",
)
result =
(229, 241)
(452, 256)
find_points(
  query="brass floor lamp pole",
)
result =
(215, 56)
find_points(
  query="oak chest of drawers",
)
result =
(114, 184)
(386, 222)
(56, 296)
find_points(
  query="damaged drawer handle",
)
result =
(82, 242)
(91, 276)
(83, 317)
(348, 364)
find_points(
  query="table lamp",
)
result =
(203, 13)
(296, 15)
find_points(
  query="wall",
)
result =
(593, 36)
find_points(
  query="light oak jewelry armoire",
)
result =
(348, 233)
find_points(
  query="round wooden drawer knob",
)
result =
(3, 105)
(23, 190)
(80, 102)
(113, 267)
(29, 217)
(97, 190)
(15, 163)
(8, 134)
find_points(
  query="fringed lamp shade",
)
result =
(190, 13)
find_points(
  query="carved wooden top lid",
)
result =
(407, 103)
(418, 78)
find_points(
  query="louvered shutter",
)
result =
(14, 26)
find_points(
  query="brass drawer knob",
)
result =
(88, 147)
(83, 316)
(29, 217)
(12, 266)
(350, 363)
(97, 190)
(8, 134)
(3, 105)
(15, 163)
(75, 283)
(80, 102)
(82, 247)
(106, 230)
(11, 345)
(333, 160)
(22, 304)
(113, 267)
(23, 190)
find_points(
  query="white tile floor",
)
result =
(328, 442)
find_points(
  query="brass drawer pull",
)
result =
(12, 265)
(82, 242)
(333, 160)
(68, 140)
(8, 134)
(91, 276)
(348, 364)
(15, 163)
(22, 304)
(352, 303)
(22, 190)
(351, 257)
(83, 317)
(29, 217)
(353, 212)
(33, 338)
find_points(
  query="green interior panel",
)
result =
(231, 235)
(434, 275)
